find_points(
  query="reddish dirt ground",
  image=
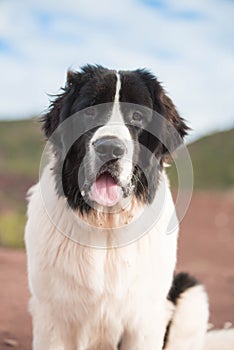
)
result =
(205, 250)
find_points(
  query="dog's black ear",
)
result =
(174, 126)
(167, 123)
(50, 120)
(71, 78)
(60, 106)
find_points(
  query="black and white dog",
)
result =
(107, 152)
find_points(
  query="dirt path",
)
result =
(15, 323)
(205, 249)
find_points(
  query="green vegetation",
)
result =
(11, 229)
(21, 146)
(213, 162)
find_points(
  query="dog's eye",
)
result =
(137, 116)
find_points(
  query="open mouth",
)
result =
(105, 190)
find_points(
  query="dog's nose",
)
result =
(109, 147)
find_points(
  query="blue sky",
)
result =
(187, 44)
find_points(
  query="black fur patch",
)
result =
(181, 283)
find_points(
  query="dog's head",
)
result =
(124, 127)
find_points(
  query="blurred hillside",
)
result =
(21, 145)
(213, 162)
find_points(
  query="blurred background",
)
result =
(189, 46)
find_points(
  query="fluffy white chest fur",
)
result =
(88, 298)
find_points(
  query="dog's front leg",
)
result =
(137, 340)
(41, 339)
(146, 334)
(42, 326)
(49, 332)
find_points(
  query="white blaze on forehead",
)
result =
(118, 87)
(115, 125)
(116, 116)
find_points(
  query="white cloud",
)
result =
(193, 58)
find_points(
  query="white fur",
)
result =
(220, 340)
(118, 88)
(189, 322)
(86, 298)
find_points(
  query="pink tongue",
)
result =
(105, 191)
